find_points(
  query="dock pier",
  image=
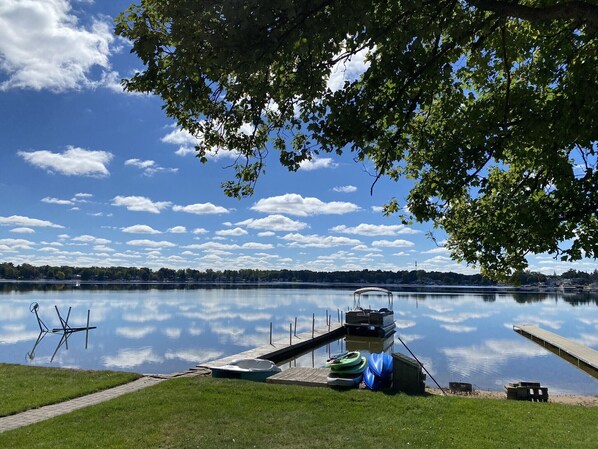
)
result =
(285, 348)
(584, 358)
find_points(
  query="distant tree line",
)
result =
(27, 272)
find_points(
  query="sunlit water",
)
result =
(466, 337)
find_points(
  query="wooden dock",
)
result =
(575, 353)
(308, 377)
(284, 348)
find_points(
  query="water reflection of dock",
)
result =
(575, 353)
(285, 348)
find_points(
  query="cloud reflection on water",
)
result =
(458, 328)
(193, 355)
(488, 356)
(130, 358)
(460, 317)
(172, 332)
(134, 333)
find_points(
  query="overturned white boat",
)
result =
(248, 369)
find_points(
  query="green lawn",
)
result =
(25, 387)
(221, 413)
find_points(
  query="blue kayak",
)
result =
(380, 364)
(372, 381)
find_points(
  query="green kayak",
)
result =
(344, 360)
(353, 369)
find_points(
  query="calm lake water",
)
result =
(466, 337)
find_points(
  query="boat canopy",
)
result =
(371, 290)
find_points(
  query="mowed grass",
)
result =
(202, 412)
(26, 387)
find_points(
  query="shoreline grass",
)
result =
(221, 413)
(27, 387)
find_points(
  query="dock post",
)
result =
(329, 319)
(87, 330)
(270, 332)
(313, 324)
(290, 334)
(338, 315)
(295, 326)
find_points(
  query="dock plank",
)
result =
(576, 353)
(309, 377)
(283, 348)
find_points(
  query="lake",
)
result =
(465, 337)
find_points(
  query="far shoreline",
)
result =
(418, 287)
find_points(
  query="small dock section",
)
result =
(307, 377)
(285, 348)
(575, 353)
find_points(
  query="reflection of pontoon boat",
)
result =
(248, 369)
(370, 322)
(369, 344)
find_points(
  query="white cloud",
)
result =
(73, 162)
(14, 244)
(187, 142)
(345, 189)
(266, 234)
(23, 231)
(439, 250)
(257, 246)
(274, 223)
(149, 168)
(216, 247)
(140, 204)
(294, 204)
(348, 70)
(198, 231)
(42, 46)
(140, 229)
(201, 209)
(103, 248)
(180, 137)
(370, 229)
(91, 239)
(317, 164)
(18, 220)
(318, 241)
(151, 243)
(236, 232)
(392, 244)
(177, 230)
(50, 200)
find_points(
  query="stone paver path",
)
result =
(61, 408)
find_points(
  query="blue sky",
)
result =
(91, 175)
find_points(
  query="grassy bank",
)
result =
(27, 387)
(210, 413)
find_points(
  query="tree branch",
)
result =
(572, 10)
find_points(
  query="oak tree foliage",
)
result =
(489, 106)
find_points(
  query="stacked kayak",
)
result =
(346, 370)
(378, 373)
